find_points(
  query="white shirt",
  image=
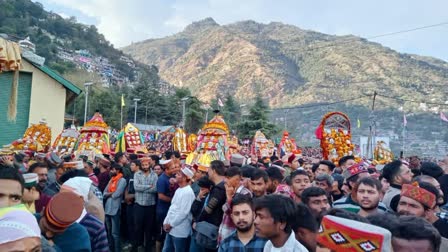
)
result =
(291, 245)
(179, 216)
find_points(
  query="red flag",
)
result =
(443, 117)
(319, 132)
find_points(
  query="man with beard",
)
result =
(396, 173)
(42, 173)
(275, 179)
(420, 199)
(317, 200)
(258, 182)
(244, 238)
(368, 195)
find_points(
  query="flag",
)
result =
(443, 117)
(319, 132)
(359, 123)
(122, 101)
(220, 103)
(405, 122)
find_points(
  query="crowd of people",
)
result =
(147, 202)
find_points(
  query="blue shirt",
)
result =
(163, 186)
(233, 244)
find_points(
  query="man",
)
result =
(212, 209)
(244, 238)
(308, 167)
(88, 168)
(104, 177)
(396, 173)
(325, 182)
(121, 159)
(30, 192)
(274, 217)
(165, 195)
(413, 234)
(200, 171)
(368, 196)
(145, 185)
(435, 183)
(299, 182)
(305, 227)
(113, 194)
(325, 167)
(53, 161)
(42, 172)
(258, 183)
(11, 186)
(275, 178)
(420, 200)
(346, 161)
(316, 199)
(177, 223)
(233, 187)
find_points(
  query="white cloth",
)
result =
(291, 245)
(81, 186)
(179, 216)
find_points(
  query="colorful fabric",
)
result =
(17, 223)
(340, 234)
(233, 244)
(355, 170)
(421, 195)
(114, 181)
(62, 211)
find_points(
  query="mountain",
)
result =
(288, 65)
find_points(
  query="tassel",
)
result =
(12, 106)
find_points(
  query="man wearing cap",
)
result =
(200, 171)
(42, 173)
(164, 195)
(88, 168)
(420, 199)
(145, 185)
(178, 220)
(53, 161)
(396, 173)
(104, 176)
(30, 193)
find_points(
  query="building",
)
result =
(42, 93)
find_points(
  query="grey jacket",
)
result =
(113, 202)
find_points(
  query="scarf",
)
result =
(114, 181)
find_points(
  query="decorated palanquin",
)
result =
(66, 140)
(335, 137)
(287, 145)
(192, 142)
(94, 136)
(130, 140)
(261, 146)
(36, 138)
(211, 143)
(180, 141)
(234, 146)
(382, 153)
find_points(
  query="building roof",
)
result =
(48, 71)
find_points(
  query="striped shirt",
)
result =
(97, 233)
(348, 204)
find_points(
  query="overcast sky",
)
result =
(126, 21)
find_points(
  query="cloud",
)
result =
(123, 22)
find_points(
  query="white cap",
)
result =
(187, 172)
(164, 161)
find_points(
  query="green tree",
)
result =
(231, 112)
(258, 119)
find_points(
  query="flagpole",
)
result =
(121, 117)
(404, 140)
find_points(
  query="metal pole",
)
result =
(372, 124)
(206, 116)
(286, 111)
(135, 111)
(86, 85)
(146, 114)
(183, 112)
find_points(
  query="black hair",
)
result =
(312, 192)
(137, 163)
(431, 169)
(10, 173)
(391, 170)
(83, 157)
(314, 167)
(133, 156)
(218, 167)
(247, 170)
(330, 164)
(339, 178)
(233, 171)
(205, 182)
(301, 161)
(168, 154)
(117, 167)
(118, 156)
(258, 173)
(275, 174)
(36, 165)
(19, 157)
(71, 174)
(274, 158)
(298, 172)
(176, 154)
(338, 212)
(304, 219)
(416, 228)
(344, 160)
(375, 183)
(155, 158)
(239, 199)
(152, 149)
(384, 220)
(325, 177)
(282, 209)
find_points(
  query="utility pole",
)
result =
(183, 110)
(372, 129)
(86, 86)
(135, 110)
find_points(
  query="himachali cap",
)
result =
(144, 160)
(344, 235)
(104, 162)
(78, 165)
(237, 159)
(419, 194)
(354, 170)
(202, 168)
(62, 211)
(30, 180)
(53, 159)
(164, 161)
(187, 172)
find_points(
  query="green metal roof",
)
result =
(67, 84)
